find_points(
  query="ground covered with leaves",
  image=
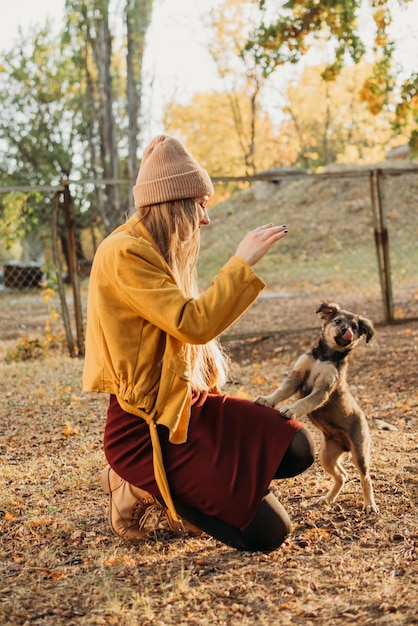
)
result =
(60, 564)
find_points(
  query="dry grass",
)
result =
(61, 565)
(59, 562)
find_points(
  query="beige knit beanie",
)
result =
(169, 172)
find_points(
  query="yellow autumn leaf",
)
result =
(241, 393)
(66, 389)
(47, 294)
(112, 560)
(258, 379)
(70, 429)
(8, 517)
(39, 523)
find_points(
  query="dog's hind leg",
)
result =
(330, 458)
(360, 457)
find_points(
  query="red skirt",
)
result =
(233, 450)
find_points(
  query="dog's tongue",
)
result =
(348, 335)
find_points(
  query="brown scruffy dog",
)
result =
(320, 379)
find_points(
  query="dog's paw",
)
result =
(264, 401)
(287, 412)
(323, 500)
(370, 508)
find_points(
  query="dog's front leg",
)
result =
(323, 386)
(291, 384)
(305, 405)
(288, 387)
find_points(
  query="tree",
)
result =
(39, 112)
(65, 104)
(244, 79)
(138, 17)
(207, 125)
(287, 38)
(114, 93)
(329, 122)
(39, 124)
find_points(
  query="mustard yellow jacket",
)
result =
(138, 321)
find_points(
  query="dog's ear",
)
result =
(327, 310)
(366, 328)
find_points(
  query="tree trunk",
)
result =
(138, 17)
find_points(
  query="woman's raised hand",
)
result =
(259, 241)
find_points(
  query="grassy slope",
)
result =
(331, 231)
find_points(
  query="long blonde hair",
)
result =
(175, 228)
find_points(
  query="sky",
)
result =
(176, 60)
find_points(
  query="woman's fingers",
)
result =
(259, 241)
(265, 228)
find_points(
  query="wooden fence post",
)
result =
(61, 286)
(73, 269)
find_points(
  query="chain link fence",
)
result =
(354, 235)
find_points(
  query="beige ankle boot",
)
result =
(134, 513)
(129, 507)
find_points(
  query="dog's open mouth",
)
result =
(347, 337)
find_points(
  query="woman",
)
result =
(173, 442)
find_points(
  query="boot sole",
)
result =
(105, 480)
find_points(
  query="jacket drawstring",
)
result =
(157, 456)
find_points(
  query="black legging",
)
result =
(271, 523)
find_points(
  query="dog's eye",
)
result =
(337, 322)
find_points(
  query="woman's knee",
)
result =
(269, 527)
(304, 446)
(299, 456)
(267, 530)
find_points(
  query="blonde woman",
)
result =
(176, 445)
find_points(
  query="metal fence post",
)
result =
(381, 237)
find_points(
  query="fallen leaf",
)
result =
(382, 425)
(70, 429)
(258, 380)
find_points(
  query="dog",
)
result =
(320, 379)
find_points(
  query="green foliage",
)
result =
(287, 37)
(39, 111)
(26, 349)
(61, 105)
(286, 40)
(407, 111)
(40, 117)
(323, 123)
(22, 216)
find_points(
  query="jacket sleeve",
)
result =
(145, 283)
